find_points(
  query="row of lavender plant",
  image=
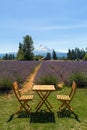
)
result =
(61, 69)
(16, 70)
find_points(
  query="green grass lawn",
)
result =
(42, 120)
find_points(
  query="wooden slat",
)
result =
(27, 97)
(63, 97)
(43, 87)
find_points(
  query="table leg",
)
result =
(47, 94)
(44, 100)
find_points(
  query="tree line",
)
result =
(9, 57)
(77, 54)
(25, 52)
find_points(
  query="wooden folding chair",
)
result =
(66, 99)
(23, 99)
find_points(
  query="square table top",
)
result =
(43, 88)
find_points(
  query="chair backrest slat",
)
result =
(73, 90)
(16, 90)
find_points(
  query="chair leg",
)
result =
(65, 105)
(26, 106)
(70, 108)
(62, 106)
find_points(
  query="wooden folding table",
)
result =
(44, 91)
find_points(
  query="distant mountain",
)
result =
(42, 50)
(61, 54)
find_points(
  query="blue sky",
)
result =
(58, 24)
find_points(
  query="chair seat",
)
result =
(26, 97)
(63, 97)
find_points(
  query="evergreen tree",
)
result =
(54, 55)
(48, 57)
(26, 48)
(85, 57)
(20, 54)
(69, 54)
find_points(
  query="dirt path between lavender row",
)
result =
(29, 82)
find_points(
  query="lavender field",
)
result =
(61, 69)
(16, 70)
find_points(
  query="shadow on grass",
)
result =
(35, 117)
(22, 114)
(42, 117)
(10, 118)
(67, 114)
